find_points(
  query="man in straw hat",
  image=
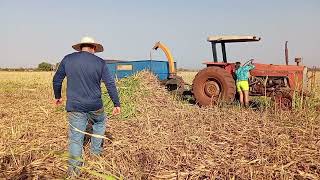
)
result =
(84, 72)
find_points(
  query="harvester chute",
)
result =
(174, 82)
(165, 49)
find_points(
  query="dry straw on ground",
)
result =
(166, 139)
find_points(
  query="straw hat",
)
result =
(88, 40)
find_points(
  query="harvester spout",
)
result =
(168, 54)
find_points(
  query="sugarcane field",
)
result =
(169, 90)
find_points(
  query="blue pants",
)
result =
(78, 121)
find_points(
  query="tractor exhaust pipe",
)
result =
(298, 60)
(286, 53)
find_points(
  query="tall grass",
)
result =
(127, 89)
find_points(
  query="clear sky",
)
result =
(43, 30)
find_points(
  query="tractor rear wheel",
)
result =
(213, 84)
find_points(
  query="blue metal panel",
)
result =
(112, 68)
(124, 69)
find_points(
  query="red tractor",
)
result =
(216, 82)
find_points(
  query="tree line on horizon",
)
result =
(43, 66)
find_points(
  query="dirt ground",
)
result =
(164, 138)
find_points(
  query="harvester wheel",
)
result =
(175, 84)
(181, 84)
(212, 85)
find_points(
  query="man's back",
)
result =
(84, 72)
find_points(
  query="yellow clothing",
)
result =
(242, 86)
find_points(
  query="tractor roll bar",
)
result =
(214, 52)
(227, 39)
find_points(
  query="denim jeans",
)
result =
(78, 121)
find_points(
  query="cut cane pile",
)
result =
(158, 138)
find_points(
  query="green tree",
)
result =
(44, 66)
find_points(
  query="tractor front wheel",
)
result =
(283, 100)
(213, 84)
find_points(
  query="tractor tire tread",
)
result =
(226, 81)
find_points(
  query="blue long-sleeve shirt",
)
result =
(242, 73)
(84, 73)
